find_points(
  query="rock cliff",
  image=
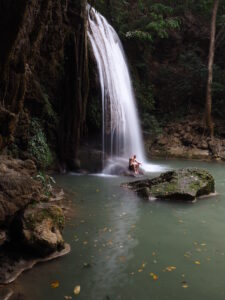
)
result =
(43, 75)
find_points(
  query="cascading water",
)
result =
(121, 132)
(121, 136)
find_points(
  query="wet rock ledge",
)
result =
(183, 184)
(31, 223)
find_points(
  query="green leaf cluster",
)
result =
(38, 146)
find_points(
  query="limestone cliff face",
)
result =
(43, 72)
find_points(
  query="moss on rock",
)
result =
(41, 228)
(183, 184)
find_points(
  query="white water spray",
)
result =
(121, 134)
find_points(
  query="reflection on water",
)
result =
(119, 241)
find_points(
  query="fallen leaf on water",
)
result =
(154, 276)
(85, 242)
(122, 258)
(153, 254)
(140, 270)
(55, 284)
(76, 290)
(86, 265)
(170, 268)
(187, 254)
(197, 262)
(203, 244)
(184, 285)
(110, 243)
(67, 297)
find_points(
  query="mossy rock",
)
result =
(183, 184)
(42, 226)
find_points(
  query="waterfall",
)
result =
(121, 136)
(121, 133)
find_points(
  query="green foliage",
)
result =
(50, 114)
(37, 145)
(167, 43)
(152, 21)
(137, 34)
(150, 124)
(46, 181)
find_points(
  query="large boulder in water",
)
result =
(41, 225)
(183, 184)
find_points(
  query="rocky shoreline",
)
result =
(186, 139)
(31, 219)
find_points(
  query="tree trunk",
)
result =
(208, 107)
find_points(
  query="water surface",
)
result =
(121, 243)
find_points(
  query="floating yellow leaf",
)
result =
(187, 254)
(184, 285)
(67, 297)
(76, 290)
(85, 242)
(140, 270)
(170, 268)
(55, 284)
(197, 262)
(203, 244)
(154, 276)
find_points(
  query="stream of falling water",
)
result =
(121, 130)
(121, 133)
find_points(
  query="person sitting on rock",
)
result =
(134, 164)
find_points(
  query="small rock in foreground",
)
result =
(42, 225)
(183, 184)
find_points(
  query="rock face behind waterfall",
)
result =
(183, 184)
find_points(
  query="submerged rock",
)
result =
(41, 228)
(183, 184)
